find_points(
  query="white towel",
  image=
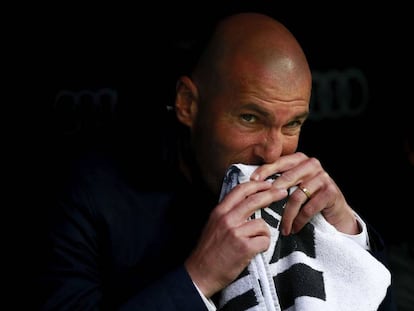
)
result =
(316, 269)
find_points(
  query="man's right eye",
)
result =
(249, 118)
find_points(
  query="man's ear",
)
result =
(186, 101)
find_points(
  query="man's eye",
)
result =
(295, 123)
(249, 118)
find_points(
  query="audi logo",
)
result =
(337, 94)
(84, 110)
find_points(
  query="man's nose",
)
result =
(270, 147)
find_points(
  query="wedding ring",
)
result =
(305, 191)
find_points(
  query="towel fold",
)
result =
(316, 269)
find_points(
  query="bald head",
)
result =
(248, 45)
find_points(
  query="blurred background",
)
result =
(102, 75)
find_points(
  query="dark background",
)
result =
(132, 56)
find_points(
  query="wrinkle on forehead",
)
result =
(278, 80)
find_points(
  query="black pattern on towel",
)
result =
(318, 268)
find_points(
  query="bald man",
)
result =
(156, 238)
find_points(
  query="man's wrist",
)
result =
(361, 238)
(208, 302)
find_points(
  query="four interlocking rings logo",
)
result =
(84, 110)
(337, 94)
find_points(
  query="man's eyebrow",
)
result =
(257, 109)
(266, 113)
(304, 115)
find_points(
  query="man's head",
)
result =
(247, 97)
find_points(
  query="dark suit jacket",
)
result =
(119, 238)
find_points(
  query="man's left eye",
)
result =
(249, 118)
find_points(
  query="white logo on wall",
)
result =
(84, 110)
(338, 94)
